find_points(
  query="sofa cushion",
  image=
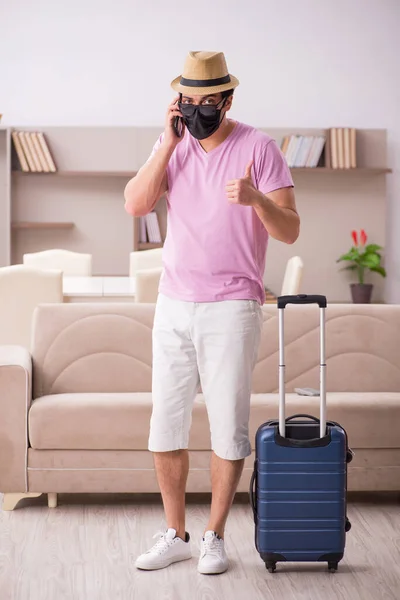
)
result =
(120, 421)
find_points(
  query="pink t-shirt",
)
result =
(215, 250)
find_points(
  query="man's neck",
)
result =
(225, 129)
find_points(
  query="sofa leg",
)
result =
(10, 500)
(52, 500)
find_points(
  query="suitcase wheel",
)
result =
(333, 567)
(270, 566)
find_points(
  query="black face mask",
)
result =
(201, 120)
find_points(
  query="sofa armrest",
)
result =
(15, 400)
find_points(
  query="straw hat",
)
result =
(204, 73)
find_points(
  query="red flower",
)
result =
(354, 236)
(363, 237)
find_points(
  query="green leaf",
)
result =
(372, 248)
(370, 261)
(379, 270)
(353, 254)
(344, 257)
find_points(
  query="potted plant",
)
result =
(363, 257)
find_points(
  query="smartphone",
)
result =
(178, 121)
(178, 126)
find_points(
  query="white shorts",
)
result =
(212, 343)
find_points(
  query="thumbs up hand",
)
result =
(242, 191)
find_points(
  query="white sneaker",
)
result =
(213, 558)
(167, 550)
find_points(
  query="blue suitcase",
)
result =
(299, 483)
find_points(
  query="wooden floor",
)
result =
(85, 550)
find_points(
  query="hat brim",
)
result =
(203, 91)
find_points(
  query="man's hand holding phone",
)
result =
(174, 125)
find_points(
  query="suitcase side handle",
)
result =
(252, 492)
(302, 299)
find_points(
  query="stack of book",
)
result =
(270, 297)
(303, 150)
(149, 230)
(342, 142)
(32, 152)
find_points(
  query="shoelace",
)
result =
(212, 546)
(162, 543)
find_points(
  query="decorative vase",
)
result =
(361, 292)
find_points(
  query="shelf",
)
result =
(360, 170)
(41, 225)
(148, 245)
(125, 174)
(77, 174)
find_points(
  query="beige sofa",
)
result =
(75, 415)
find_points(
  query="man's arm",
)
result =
(150, 183)
(144, 190)
(277, 212)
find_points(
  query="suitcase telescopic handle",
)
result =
(302, 299)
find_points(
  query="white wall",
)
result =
(310, 63)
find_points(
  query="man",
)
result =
(228, 188)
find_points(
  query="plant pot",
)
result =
(361, 292)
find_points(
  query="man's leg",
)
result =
(225, 477)
(172, 470)
(174, 387)
(227, 341)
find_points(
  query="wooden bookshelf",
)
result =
(356, 171)
(124, 174)
(41, 225)
(148, 245)
(81, 206)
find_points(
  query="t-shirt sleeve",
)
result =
(272, 171)
(155, 147)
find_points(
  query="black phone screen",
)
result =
(178, 121)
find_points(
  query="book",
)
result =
(46, 151)
(353, 156)
(312, 158)
(142, 230)
(334, 149)
(23, 163)
(289, 150)
(317, 149)
(306, 150)
(39, 152)
(303, 150)
(153, 229)
(270, 297)
(157, 232)
(27, 152)
(340, 147)
(299, 149)
(311, 155)
(295, 149)
(320, 149)
(347, 157)
(285, 143)
(32, 149)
